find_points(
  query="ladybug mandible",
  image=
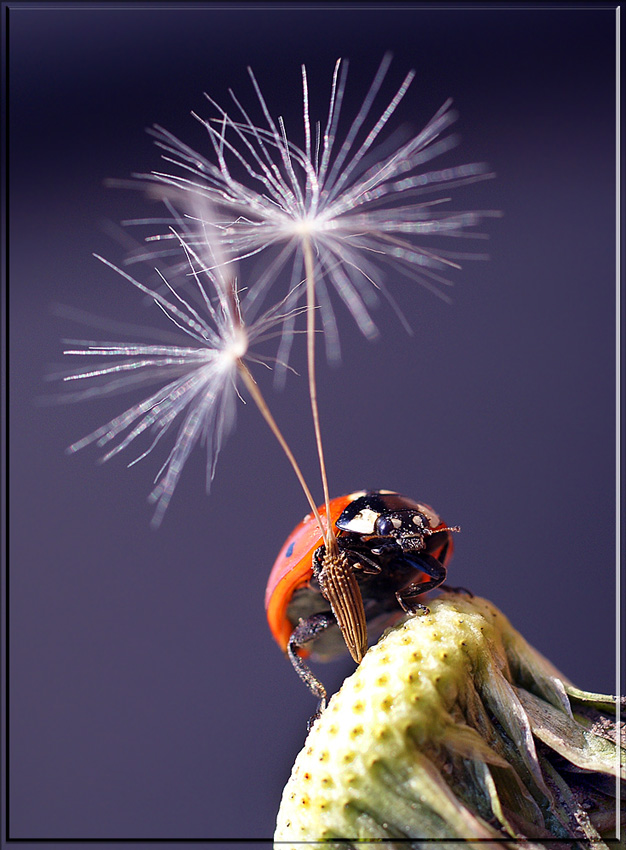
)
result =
(389, 550)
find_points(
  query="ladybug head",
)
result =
(408, 527)
(389, 516)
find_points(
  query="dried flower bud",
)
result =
(454, 727)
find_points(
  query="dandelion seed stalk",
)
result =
(329, 535)
(260, 402)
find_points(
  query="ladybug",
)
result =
(388, 551)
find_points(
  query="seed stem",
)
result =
(329, 534)
(260, 402)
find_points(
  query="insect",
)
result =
(389, 550)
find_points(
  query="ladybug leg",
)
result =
(358, 558)
(384, 548)
(407, 597)
(305, 631)
(360, 561)
(355, 554)
(410, 605)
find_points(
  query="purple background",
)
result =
(147, 697)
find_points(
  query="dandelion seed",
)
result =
(197, 382)
(338, 209)
(358, 205)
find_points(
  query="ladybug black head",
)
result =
(383, 514)
(401, 524)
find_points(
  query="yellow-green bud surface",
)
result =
(453, 727)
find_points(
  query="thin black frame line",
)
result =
(5, 425)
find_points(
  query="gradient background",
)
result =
(147, 698)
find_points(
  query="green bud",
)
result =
(453, 727)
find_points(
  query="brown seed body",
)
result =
(340, 588)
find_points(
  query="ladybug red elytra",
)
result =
(390, 550)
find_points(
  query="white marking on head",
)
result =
(433, 519)
(363, 522)
(397, 523)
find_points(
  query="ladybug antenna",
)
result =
(328, 532)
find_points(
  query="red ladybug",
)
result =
(393, 549)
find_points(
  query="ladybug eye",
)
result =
(384, 526)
